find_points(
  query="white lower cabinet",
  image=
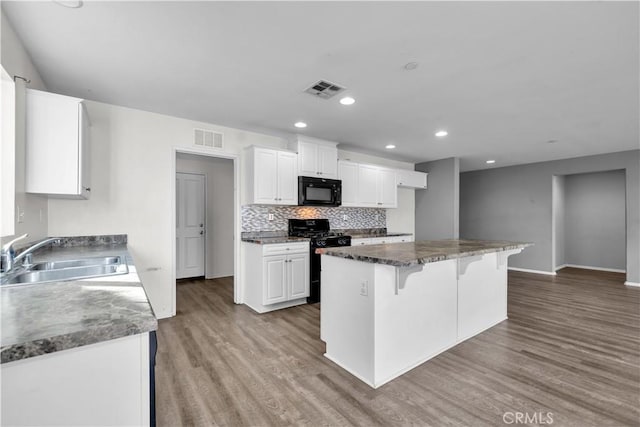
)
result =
(381, 240)
(276, 275)
(107, 383)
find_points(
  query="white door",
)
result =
(190, 231)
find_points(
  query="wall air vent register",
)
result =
(207, 139)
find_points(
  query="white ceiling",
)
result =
(502, 77)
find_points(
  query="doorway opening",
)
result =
(589, 221)
(206, 213)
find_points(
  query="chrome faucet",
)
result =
(8, 257)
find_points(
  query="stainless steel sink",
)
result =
(56, 271)
(55, 265)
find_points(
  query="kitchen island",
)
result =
(388, 308)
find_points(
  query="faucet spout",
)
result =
(8, 257)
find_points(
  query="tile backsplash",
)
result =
(256, 217)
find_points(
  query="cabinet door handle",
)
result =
(87, 188)
(319, 173)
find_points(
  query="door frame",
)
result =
(238, 296)
(204, 219)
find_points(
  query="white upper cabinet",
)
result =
(366, 185)
(271, 176)
(411, 179)
(57, 145)
(316, 157)
(348, 173)
(386, 188)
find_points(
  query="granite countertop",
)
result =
(376, 235)
(48, 317)
(274, 239)
(422, 252)
(269, 237)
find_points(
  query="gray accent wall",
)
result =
(595, 220)
(515, 203)
(437, 207)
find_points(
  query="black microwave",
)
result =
(319, 191)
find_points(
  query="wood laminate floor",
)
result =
(570, 350)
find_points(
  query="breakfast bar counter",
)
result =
(388, 308)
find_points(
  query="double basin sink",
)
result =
(74, 269)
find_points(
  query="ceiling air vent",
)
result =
(207, 139)
(324, 89)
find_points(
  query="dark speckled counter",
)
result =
(421, 252)
(49, 317)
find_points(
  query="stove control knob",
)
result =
(322, 243)
(342, 242)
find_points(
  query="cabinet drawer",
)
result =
(285, 248)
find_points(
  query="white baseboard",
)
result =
(634, 284)
(588, 267)
(560, 267)
(526, 270)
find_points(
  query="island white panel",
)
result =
(418, 322)
(347, 316)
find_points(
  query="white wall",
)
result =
(219, 210)
(16, 61)
(558, 233)
(132, 155)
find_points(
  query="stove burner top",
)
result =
(319, 233)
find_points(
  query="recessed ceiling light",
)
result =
(300, 125)
(442, 133)
(72, 4)
(552, 141)
(389, 146)
(410, 66)
(347, 100)
(490, 162)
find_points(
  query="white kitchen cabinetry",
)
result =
(411, 179)
(366, 185)
(386, 188)
(381, 240)
(271, 177)
(277, 275)
(316, 158)
(348, 173)
(106, 383)
(57, 145)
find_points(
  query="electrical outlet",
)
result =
(270, 217)
(20, 214)
(364, 288)
(344, 217)
(377, 217)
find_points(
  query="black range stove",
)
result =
(321, 236)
